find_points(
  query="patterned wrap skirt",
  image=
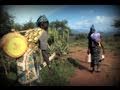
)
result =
(95, 56)
(26, 69)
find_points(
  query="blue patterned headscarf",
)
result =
(92, 30)
(41, 19)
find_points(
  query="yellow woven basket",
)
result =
(15, 44)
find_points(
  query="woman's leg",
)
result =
(97, 59)
(95, 56)
(98, 67)
(92, 65)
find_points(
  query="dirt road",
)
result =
(109, 74)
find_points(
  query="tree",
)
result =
(28, 25)
(17, 26)
(63, 24)
(117, 24)
(52, 25)
(6, 22)
(59, 25)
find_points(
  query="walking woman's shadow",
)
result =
(77, 64)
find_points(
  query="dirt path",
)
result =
(109, 74)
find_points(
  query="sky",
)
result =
(79, 17)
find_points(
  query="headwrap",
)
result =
(42, 18)
(92, 28)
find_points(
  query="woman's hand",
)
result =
(88, 51)
(103, 51)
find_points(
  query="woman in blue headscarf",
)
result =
(94, 48)
(43, 23)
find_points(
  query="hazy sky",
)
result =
(78, 16)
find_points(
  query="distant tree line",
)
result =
(7, 23)
(117, 25)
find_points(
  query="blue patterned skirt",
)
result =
(95, 56)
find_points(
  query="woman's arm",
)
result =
(102, 46)
(88, 50)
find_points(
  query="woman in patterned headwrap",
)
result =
(43, 23)
(94, 47)
(27, 68)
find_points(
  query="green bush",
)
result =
(81, 36)
(62, 71)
